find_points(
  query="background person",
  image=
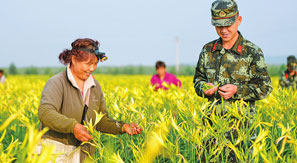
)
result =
(2, 77)
(288, 79)
(67, 94)
(163, 76)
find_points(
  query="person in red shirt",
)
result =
(163, 76)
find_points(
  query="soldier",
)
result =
(232, 62)
(288, 79)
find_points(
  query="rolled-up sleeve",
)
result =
(177, 82)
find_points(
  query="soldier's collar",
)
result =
(287, 74)
(237, 47)
(218, 46)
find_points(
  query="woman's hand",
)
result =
(81, 133)
(131, 129)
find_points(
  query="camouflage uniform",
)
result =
(243, 65)
(286, 80)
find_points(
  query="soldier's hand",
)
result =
(211, 91)
(81, 133)
(227, 91)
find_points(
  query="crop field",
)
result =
(174, 122)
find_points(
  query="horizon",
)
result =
(271, 62)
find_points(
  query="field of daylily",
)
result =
(175, 127)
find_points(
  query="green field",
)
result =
(174, 129)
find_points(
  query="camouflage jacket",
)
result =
(243, 65)
(287, 81)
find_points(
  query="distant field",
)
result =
(185, 70)
(172, 120)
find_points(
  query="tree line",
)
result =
(186, 70)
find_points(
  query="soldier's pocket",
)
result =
(240, 71)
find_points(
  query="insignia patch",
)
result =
(222, 14)
(214, 47)
(239, 48)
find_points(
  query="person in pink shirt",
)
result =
(163, 76)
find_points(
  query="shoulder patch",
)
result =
(239, 48)
(210, 45)
(214, 46)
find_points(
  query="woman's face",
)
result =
(83, 69)
(161, 71)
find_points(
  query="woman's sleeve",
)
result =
(177, 82)
(107, 124)
(50, 104)
(153, 81)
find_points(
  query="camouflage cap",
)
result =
(291, 59)
(224, 12)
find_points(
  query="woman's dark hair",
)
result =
(160, 64)
(66, 56)
(1, 71)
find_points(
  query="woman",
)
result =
(163, 76)
(2, 77)
(73, 95)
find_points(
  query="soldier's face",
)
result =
(292, 67)
(229, 33)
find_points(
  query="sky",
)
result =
(136, 32)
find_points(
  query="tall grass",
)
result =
(176, 128)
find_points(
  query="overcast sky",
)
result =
(136, 32)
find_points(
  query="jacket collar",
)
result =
(287, 74)
(165, 76)
(237, 47)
